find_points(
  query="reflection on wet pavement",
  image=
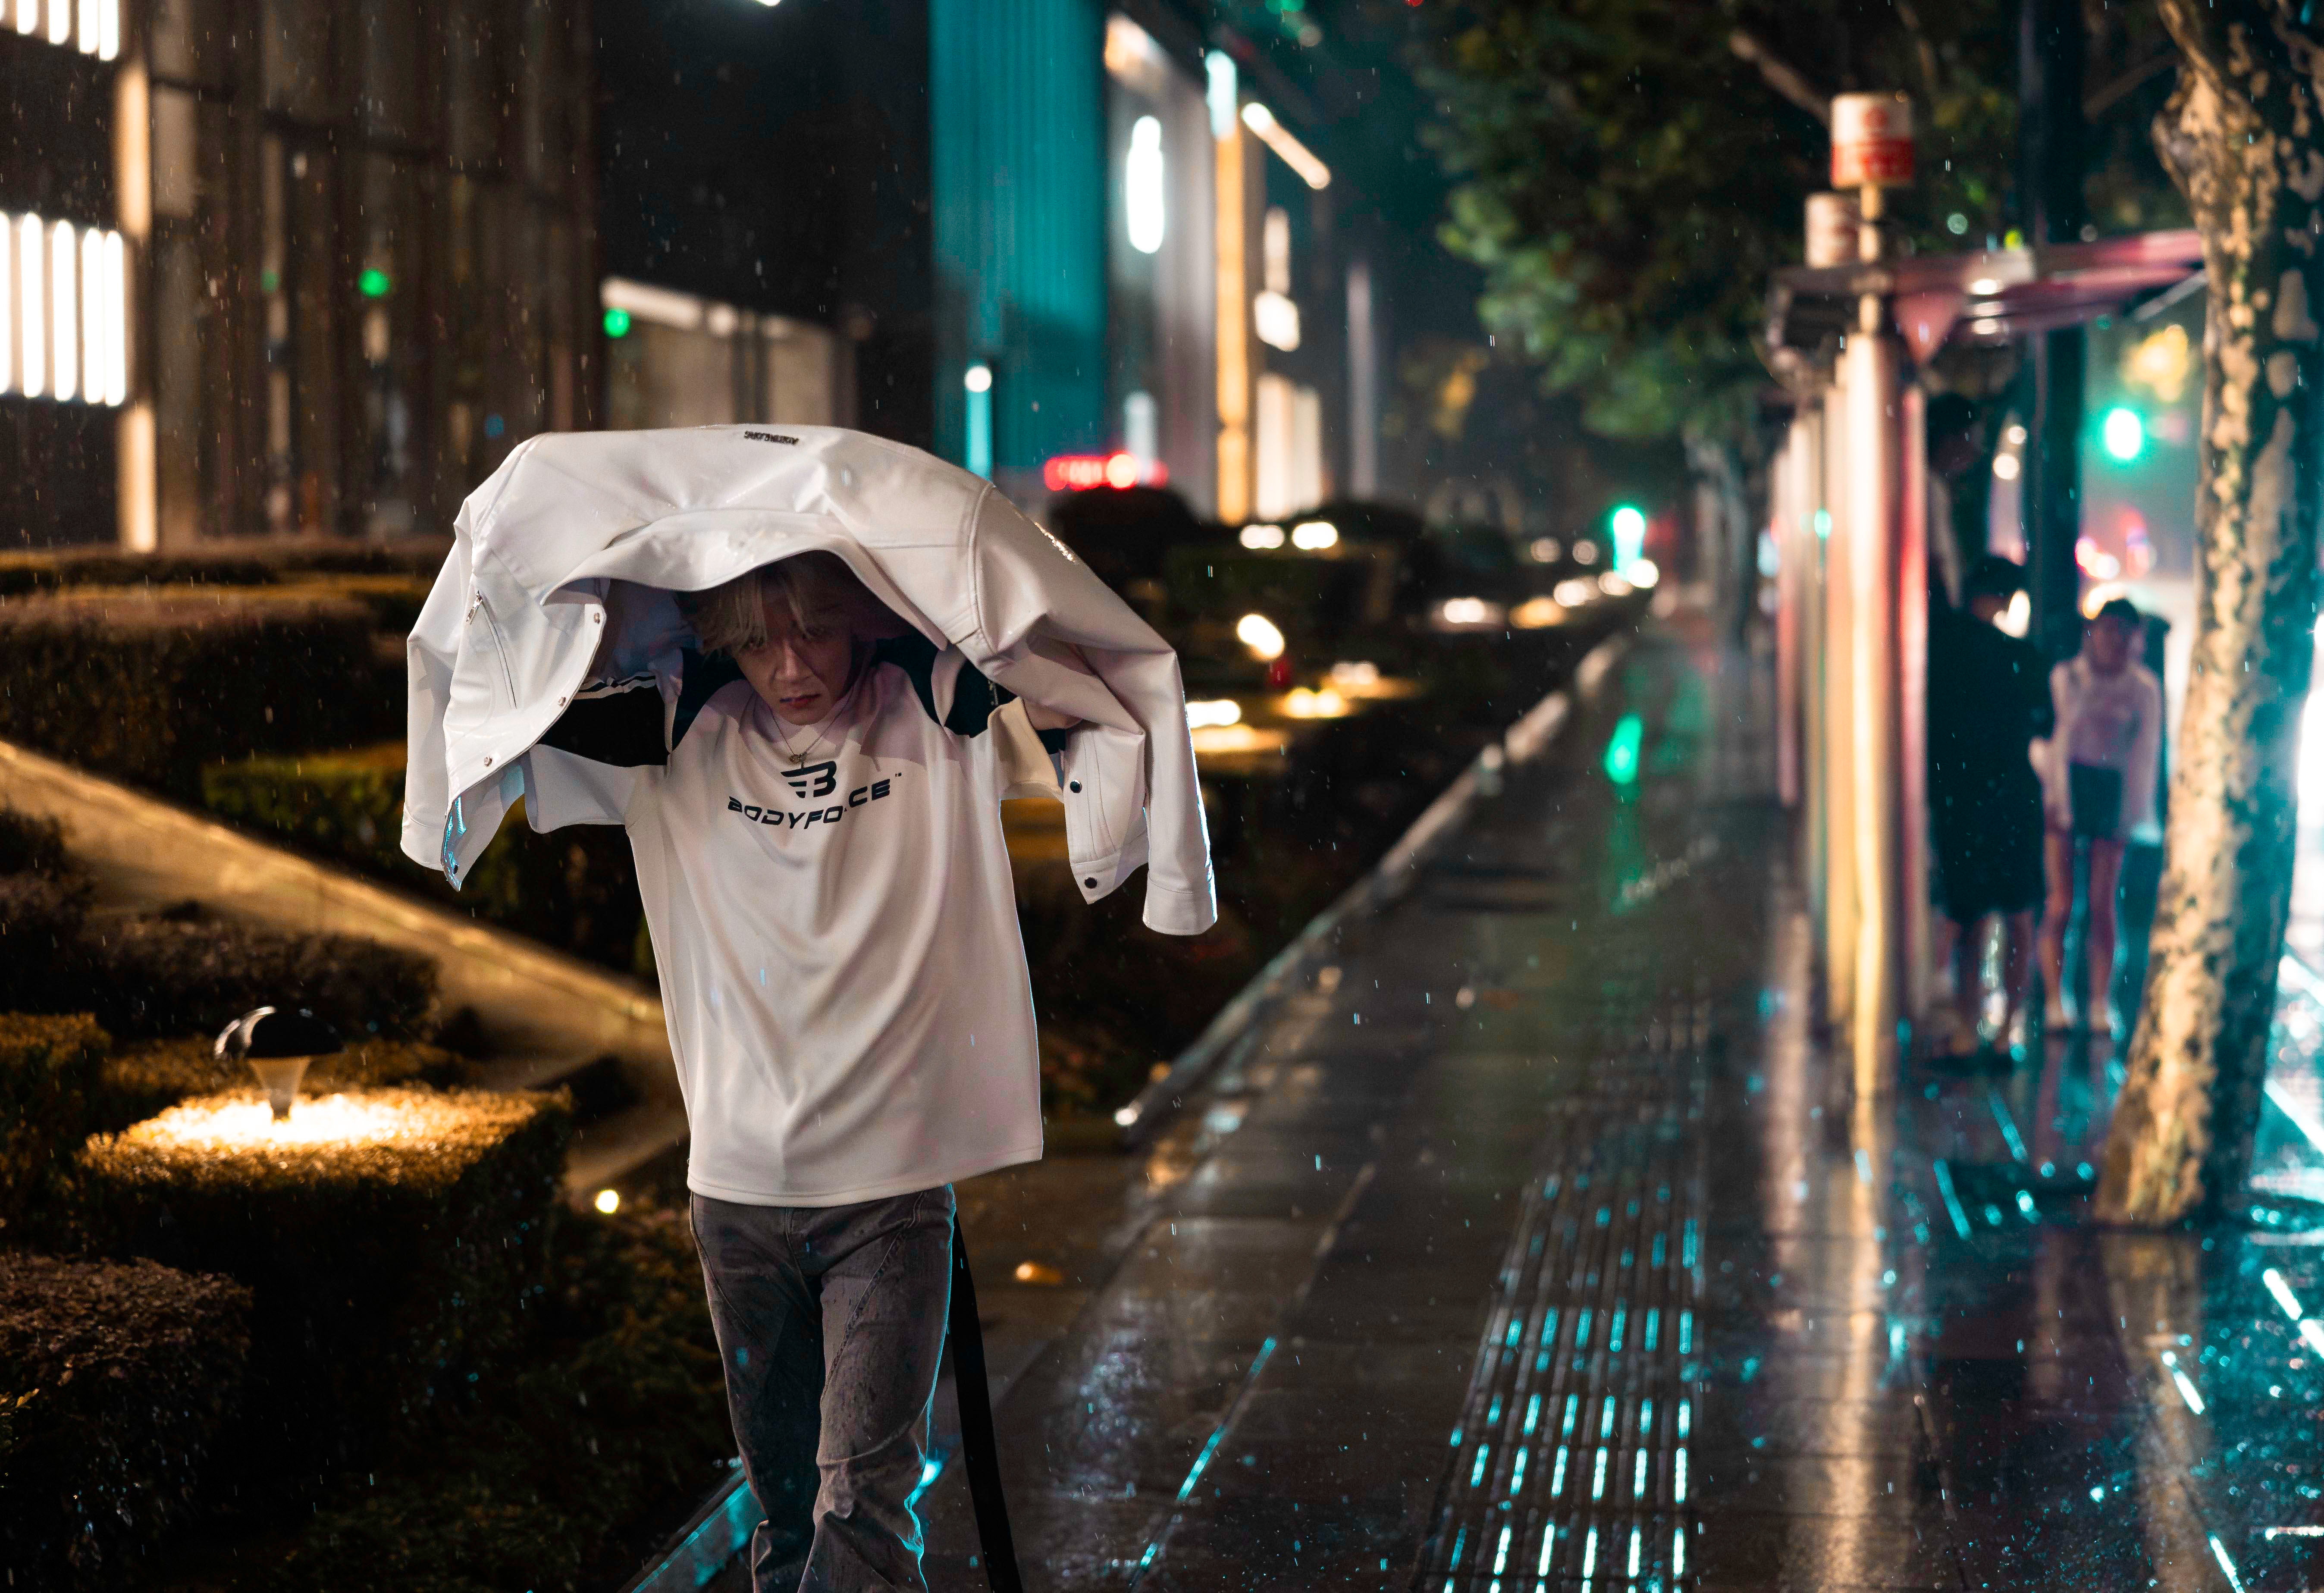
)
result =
(1540, 1246)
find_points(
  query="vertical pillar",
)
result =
(135, 511)
(1840, 712)
(1233, 295)
(1874, 434)
(1815, 521)
(2051, 44)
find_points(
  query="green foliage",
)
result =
(575, 888)
(49, 1072)
(1628, 179)
(391, 1258)
(610, 1418)
(117, 1381)
(152, 685)
(183, 971)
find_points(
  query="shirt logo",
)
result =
(806, 817)
(768, 437)
(816, 779)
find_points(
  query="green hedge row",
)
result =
(254, 562)
(575, 888)
(119, 1382)
(152, 685)
(392, 1239)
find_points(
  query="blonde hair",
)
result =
(732, 618)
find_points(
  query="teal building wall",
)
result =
(1017, 130)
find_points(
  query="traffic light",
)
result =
(1627, 526)
(2124, 432)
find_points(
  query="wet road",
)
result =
(1534, 1247)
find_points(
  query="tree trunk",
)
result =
(2241, 137)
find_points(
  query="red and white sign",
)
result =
(1871, 141)
(1078, 473)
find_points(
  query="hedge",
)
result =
(183, 971)
(392, 1239)
(50, 1072)
(119, 1381)
(255, 562)
(575, 888)
(152, 685)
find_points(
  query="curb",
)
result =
(1382, 885)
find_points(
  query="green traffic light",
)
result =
(1628, 525)
(2125, 434)
(373, 284)
(617, 323)
(1622, 750)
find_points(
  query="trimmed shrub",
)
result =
(42, 919)
(48, 1070)
(391, 1239)
(141, 1081)
(575, 888)
(252, 562)
(30, 845)
(118, 1380)
(182, 972)
(569, 1469)
(152, 685)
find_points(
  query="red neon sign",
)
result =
(1078, 473)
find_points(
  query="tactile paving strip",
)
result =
(1569, 1467)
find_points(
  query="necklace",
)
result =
(798, 758)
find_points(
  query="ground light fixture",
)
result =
(278, 1045)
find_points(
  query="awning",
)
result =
(1990, 296)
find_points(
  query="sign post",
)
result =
(1873, 621)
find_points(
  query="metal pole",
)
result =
(1874, 433)
(1839, 714)
(2051, 44)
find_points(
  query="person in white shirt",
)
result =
(2098, 778)
(814, 802)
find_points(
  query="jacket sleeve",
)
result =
(429, 655)
(1131, 795)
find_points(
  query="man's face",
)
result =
(800, 669)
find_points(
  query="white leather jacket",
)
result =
(579, 532)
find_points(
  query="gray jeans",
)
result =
(831, 1322)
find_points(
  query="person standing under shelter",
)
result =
(1987, 704)
(2099, 780)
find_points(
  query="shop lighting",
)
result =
(93, 27)
(1314, 535)
(1985, 286)
(1546, 550)
(1078, 473)
(63, 310)
(64, 361)
(1300, 703)
(1347, 676)
(1142, 186)
(1219, 711)
(1470, 612)
(1574, 592)
(1643, 573)
(1276, 318)
(1585, 553)
(1259, 633)
(1613, 585)
(34, 296)
(1262, 539)
(1537, 613)
(1295, 154)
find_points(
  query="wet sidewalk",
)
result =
(1536, 1248)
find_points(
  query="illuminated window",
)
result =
(7, 306)
(1142, 189)
(64, 359)
(63, 311)
(32, 301)
(93, 27)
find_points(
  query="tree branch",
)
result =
(2098, 100)
(1782, 75)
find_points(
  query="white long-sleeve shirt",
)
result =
(2104, 722)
